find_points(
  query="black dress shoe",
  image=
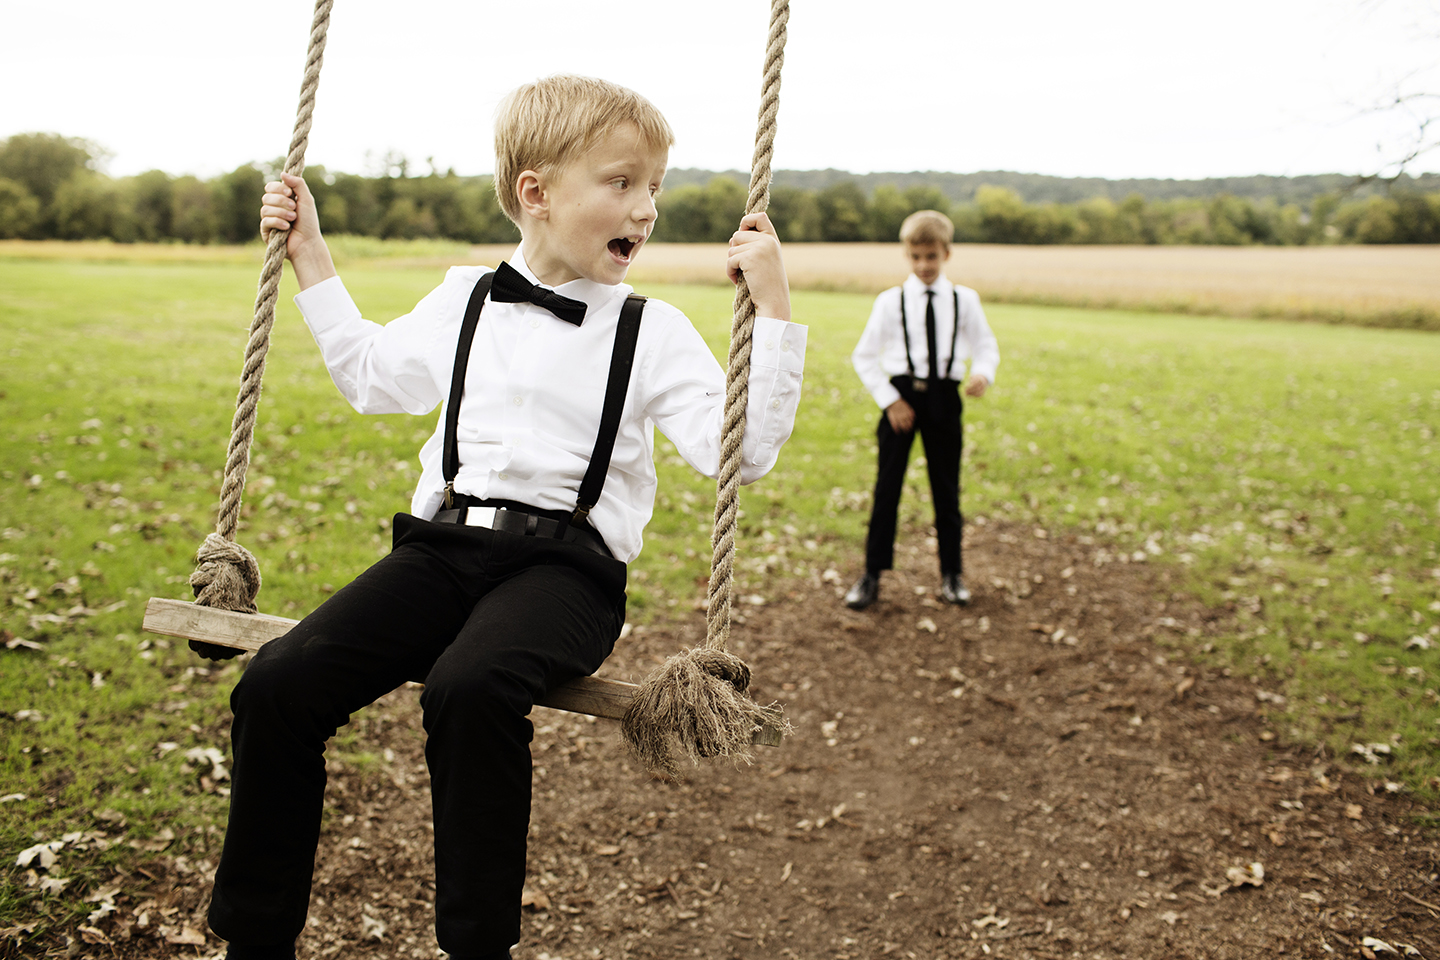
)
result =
(953, 590)
(863, 593)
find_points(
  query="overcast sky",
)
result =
(1109, 88)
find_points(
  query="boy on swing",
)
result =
(911, 357)
(503, 582)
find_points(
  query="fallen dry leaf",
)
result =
(156, 843)
(370, 928)
(1353, 811)
(185, 936)
(1371, 752)
(53, 884)
(43, 852)
(1254, 875)
(93, 935)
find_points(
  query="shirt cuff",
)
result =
(326, 304)
(779, 344)
(886, 395)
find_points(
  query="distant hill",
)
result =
(1039, 188)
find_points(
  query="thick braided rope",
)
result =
(695, 705)
(737, 384)
(214, 582)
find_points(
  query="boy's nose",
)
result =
(645, 210)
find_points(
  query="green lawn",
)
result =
(1288, 470)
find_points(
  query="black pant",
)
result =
(490, 621)
(937, 420)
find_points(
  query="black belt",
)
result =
(521, 523)
(921, 385)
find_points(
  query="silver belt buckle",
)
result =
(920, 386)
(480, 517)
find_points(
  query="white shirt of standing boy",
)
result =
(880, 354)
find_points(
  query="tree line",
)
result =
(1043, 188)
(50, 188)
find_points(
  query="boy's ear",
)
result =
(947, 253)
(534, 199)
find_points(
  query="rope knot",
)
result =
(695, 706)
(723, 666)
(226, 575)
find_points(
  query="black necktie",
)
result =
(510, 287)
(930, 334)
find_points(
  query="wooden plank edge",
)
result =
(595, 696)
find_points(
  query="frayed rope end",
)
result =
(695, 706)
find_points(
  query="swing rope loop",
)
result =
(226, 574)
(695, 704)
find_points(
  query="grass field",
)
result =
(1287, 471)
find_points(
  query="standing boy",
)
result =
(912, 358)
(499, 587)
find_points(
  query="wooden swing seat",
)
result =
(594, 696)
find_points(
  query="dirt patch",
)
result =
(1033, 776)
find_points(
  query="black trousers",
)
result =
(937, 419)
(490, 621)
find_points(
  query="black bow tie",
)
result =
(509, 286)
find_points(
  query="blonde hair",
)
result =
(543, 126)
(927, 226)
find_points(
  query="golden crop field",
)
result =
(1394, 286)
(1379, 285)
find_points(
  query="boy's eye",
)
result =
(620, 184)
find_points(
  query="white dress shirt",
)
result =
(535, 386)
(880, 354)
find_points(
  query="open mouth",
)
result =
(622, 248)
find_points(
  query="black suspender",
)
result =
(954, 335)
(622, 360)
(905, 330)
(451, 463)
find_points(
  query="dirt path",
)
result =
(1028, 777)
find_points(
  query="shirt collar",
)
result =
(595, 295)
(942, 286)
